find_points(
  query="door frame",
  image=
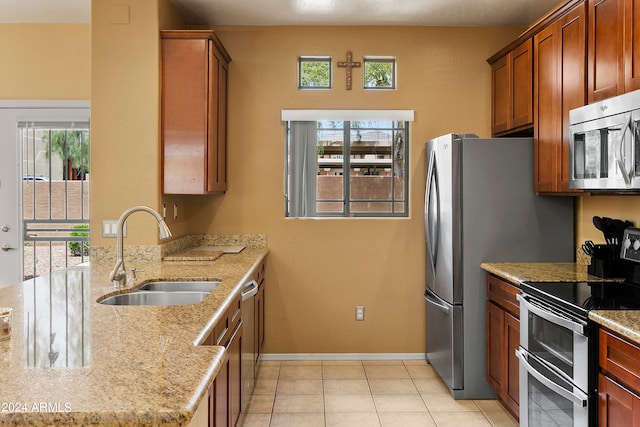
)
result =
(26, 110)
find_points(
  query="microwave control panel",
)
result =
(631, 245)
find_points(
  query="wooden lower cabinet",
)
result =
(503, 338)
(225, 392)
(618, 381)
(235, 376)
(219, 398)
(617, 406)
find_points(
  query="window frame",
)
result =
(405, 117)
(380, 59)
(327, 59)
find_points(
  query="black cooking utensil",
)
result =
(603, 224)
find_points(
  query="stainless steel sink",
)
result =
(156, 298)
(171, 286)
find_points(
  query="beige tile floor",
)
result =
(389, 393)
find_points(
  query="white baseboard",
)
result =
(342, 356)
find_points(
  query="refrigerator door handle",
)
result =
(433, 300)
(432, 246)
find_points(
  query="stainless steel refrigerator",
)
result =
(480, 206)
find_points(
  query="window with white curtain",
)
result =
(346, 163)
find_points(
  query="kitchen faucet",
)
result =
(119, 274)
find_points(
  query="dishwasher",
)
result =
(248, 351)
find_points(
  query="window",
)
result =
(314, 72)
(379, 73)
(350, 166)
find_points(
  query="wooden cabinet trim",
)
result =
(620, 359)
(503, 294)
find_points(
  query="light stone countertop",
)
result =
(518, 272)
(73, 361)
(624, 322)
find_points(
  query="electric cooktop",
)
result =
(581, 297)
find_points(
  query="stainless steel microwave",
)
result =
(604, 149)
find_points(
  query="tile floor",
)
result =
(361, 394)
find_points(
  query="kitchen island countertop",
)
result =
(73, 361)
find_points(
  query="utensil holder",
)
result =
(607, 268)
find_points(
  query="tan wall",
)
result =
(125, 103)
(45, 61)
(621, 207)
(319, 270)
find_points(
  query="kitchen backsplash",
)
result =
(154, 253)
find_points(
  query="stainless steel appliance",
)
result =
(604, 147)
(554, 364)
(480, 206)
(559, 345)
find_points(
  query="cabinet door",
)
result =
(494, 337)
(632, 45)
(184, 113)
(559, 86)
(572, 49)
(606, 49)
(511, 392)
(194, 112)
(217, 136)
(219, 398)
(500, 95)
(617, 406)
(521, 85)
(546, 111)
(235, 376)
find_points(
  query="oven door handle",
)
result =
(577, 396)
(551, 317)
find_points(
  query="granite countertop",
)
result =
(624, 322)
(518, 272)
(73, 361)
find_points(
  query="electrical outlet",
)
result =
(359, 312)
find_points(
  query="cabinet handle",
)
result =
(620, 154)
(577, 397)
(249, 290)
(551, 317)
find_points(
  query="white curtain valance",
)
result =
(352, 115)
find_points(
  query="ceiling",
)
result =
(304, 12)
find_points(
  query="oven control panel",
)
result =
(631, 245)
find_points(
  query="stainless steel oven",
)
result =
(604, 147)
(554, 365)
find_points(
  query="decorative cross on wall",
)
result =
(349, 65)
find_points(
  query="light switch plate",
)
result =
(110, 228)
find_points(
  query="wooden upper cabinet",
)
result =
(631, 45)
(511, 82)
(614, 48)
(194, 110)
(559, 86)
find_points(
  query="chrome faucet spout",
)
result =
(119, 273)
